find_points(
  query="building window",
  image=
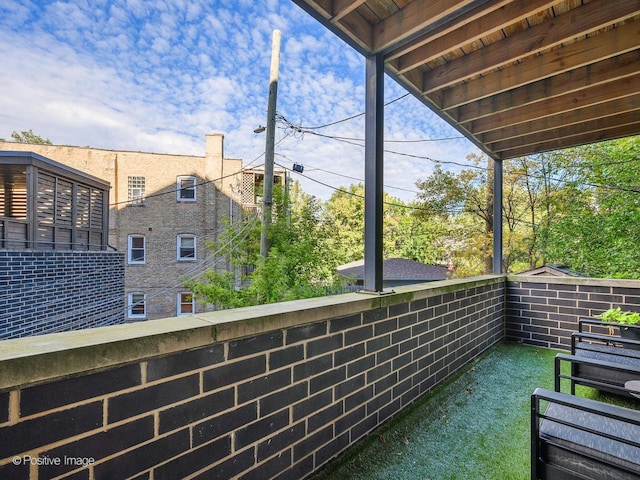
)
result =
(137, 249)
(137, 305)
(186, 189)
(135, 190)
(186, 304)
(186, 247)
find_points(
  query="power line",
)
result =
(351, 141)
(342, 175)
(344, 119)
(190, 275)
(338, 189)
(205, 182)
(290, 127)
(486, 169)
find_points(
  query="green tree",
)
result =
(345, 212)
(28, 137)
(299, 263)
(530, 183)
(595, 228)
(464, 202)
(411, 236)
(405, 234)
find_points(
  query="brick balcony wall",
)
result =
(264, 392)
(55, 291)
(543, 311)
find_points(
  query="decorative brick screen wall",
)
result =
(276, 404)
(54, 291)
(543, 311)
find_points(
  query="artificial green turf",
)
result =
(475, 427)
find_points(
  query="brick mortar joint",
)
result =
(202, 331)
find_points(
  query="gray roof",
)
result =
(554, 270)
(398, 269)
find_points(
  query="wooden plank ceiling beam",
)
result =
(554, 106)
(575, 55)
(514, 76)
(483, 23)
(526, 43)
(572, 117)
(415, 16)
(582, 139)
(342, 8)
(597, 73)
(567, 131)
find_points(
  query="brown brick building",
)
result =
(163, 208)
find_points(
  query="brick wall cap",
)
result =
(31, 360)
(599, 282)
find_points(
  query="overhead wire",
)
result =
(341, 190)
(481, 168)
(398, 205)
(352, 116)
(353, 141)
(343, 175)
(189, 275)
(61, 283)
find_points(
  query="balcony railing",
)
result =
(274, 391)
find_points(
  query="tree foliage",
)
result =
(28, 137)
(299, 263)
(578, 207)
(405, 234)
(463, 201)
(595, 224)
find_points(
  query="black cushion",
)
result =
(604, 374)
(587, 453)
(616, 351)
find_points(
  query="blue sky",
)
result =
(157, 75)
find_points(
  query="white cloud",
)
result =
(159, 75)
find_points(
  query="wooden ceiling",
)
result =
(516, 77)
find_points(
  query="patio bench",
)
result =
(579, 438)
(609, 376)
(629, 335)
(600, 360)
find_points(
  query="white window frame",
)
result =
(180, 188)
(130, 259)
(133, 302)
(181, 303)
(180, 239)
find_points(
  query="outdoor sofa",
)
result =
(600, 359)
(578, 438)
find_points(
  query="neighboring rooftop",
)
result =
(553, 270)
(45, 205)
(398, 271)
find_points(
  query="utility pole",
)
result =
(267, 196)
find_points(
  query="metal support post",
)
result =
(497, 216)
(373, 174)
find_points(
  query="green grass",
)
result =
(474, 427)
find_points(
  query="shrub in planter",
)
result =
(624, 320)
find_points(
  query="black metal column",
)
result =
(497, 216)
(373, 173)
